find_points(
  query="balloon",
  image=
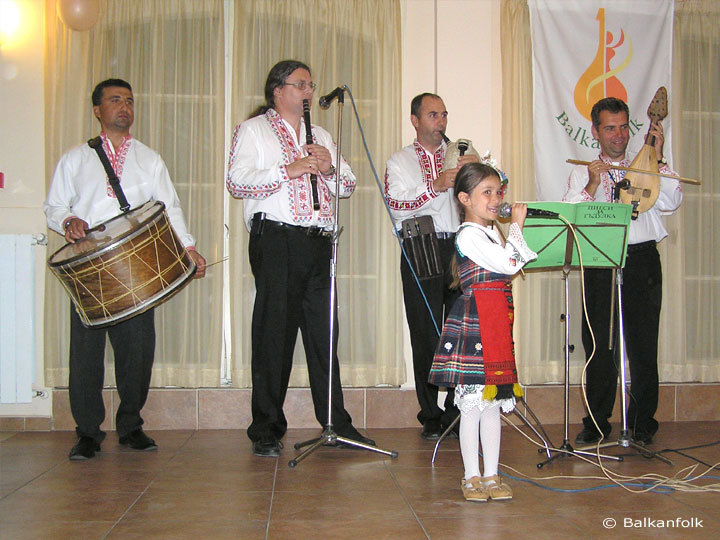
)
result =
(78, 14)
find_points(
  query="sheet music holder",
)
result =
(601, 228)
(602, 232)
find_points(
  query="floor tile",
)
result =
(207, 484)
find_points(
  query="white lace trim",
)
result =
(469, 396)
(515, 237)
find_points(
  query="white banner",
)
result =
(584, 51)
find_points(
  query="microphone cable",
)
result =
(387, 208)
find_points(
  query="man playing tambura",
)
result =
(79, 198)
(642, 281)
(414, 187)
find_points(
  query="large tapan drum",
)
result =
(124, 266)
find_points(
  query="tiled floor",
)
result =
(207, 484)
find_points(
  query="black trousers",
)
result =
(292, 279)
(642, 297)
(423, 335)
(133, 343)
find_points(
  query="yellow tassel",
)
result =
(517, 390)
(489, 392)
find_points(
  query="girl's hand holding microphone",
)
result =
(518, 213)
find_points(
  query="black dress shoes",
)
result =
(137, 440)
(431, 430)
(591, 435)
(643, 438)
(454, 433)
(84, 448)
(353, 434)
(267, 446)
(359, 438)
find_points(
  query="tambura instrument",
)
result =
(124, 266)
(644, 189)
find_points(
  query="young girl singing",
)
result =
(476, 353)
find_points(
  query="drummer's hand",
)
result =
(445, 181)
(199, 262)
(75, 230)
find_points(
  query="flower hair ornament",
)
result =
(490, 161)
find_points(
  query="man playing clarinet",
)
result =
(290, 248)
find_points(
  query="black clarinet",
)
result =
(309, 140)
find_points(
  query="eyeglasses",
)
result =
(302, 85)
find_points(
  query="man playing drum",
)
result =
(79, 198)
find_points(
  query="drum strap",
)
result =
(96, 144)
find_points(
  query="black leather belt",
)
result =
(445, 235)
(634, 248)
(259, 222)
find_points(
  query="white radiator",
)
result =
(17, 320)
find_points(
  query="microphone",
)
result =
(622, 184)
(505, 210)
(463, 145)
(325, 101)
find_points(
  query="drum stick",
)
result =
(631, 169)
(216, 262)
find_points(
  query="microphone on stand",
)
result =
(338, 93)
(309, 140)
(622, 184)
(505, 210)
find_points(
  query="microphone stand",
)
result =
(328, 436)
(566, 449)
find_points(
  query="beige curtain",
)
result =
(689, 348)
(695, 109)
(353, 42)
(171, 52)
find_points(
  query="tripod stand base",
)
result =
(330, 438)
(566, 450)
(625, 441)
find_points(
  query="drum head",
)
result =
(107, 234)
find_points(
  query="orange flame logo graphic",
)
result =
(599, 79)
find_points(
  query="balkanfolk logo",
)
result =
(600, 81)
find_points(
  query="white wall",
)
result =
(450, 47)
(22, 159)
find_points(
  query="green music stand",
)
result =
(601, 230)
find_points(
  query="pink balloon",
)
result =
(78, 14)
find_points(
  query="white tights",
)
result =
(487, 422)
